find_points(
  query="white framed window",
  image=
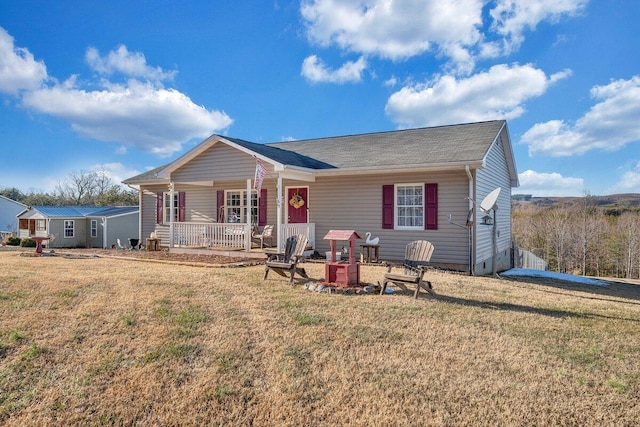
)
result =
(94, 228)
(41, 225)
(409, 206)
(69, 228)
(167, 207)
(235, 203)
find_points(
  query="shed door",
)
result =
(297, 212)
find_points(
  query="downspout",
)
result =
(472, 228)
(104, 233)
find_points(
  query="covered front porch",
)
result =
(232, 236)
(237, 220)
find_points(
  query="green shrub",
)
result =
(13, 241)
(28, 243)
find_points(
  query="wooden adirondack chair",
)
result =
(288, 261)
(416, 259)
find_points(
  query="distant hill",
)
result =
(614, 204)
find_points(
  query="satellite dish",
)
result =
(489, 202)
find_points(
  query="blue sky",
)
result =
(124, 86)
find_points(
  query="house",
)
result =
(8, 211)
(400, 186)
(80, 226)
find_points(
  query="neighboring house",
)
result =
(8, 211)
(399, 185)
(80, 226)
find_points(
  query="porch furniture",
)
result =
(288, 261)
(369, 253)
(153, 244)
(267, 233)
(416, 259)
(343, 272)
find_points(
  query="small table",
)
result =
(369, 253)
(153, 244)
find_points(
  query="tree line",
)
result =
(79, 188)
(582, 236)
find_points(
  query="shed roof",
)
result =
(83, 211)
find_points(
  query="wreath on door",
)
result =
(296, 201)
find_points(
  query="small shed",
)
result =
(342, 272)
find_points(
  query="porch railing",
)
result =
(204, 235)
(229, 235)
(308, 229)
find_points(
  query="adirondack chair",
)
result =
(416, 259)
(288, 261)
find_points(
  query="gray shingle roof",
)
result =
(424, 146)
(439, 145)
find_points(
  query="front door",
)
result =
(297, 205)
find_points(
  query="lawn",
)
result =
(102, 341)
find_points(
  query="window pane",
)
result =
(410, 205)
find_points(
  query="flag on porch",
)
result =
(261, 171)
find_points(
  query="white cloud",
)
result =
(316, 71)
(393, 30)
(511, 18)
(629, 182)
(498, 93)
(155, 120)
(132, 64)
(540, 184)
(18, 68)
(117, 172)
(460, 30)
(610, 124)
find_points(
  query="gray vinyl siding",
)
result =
(79, 240)
(220, 162)
(495, 174)
(122, 227)
(355, 203)
(8, 211)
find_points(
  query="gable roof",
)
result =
(439, 147)
(466, 143)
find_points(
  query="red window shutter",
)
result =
(387, 206)
(159, 208)
(220, 196)
(431, 207)
(262, 207)
(182, 209)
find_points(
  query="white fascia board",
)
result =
(252, 153)
(113, 216)
(189, 155)
(296, 173)
(451, 166)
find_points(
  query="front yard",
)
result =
(101, 341)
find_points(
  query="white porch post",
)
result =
(171, 213)
(247, 237)
(279, 216)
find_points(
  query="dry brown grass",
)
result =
(119, 342)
